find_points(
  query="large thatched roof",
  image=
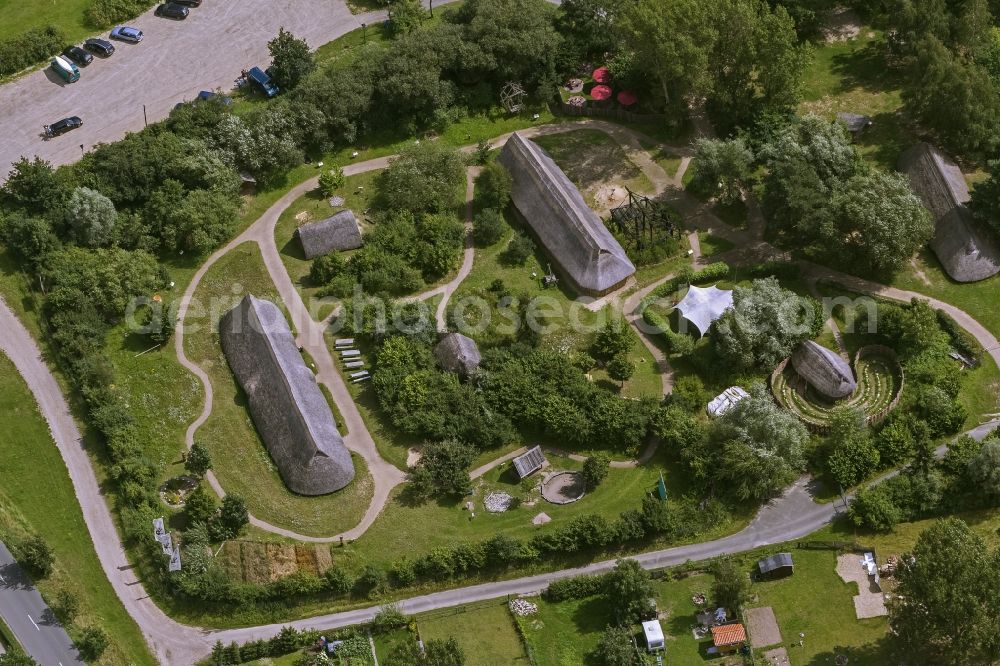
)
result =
(825, 371)
(571, 233)
(291, 414)
(458, 353)
(703, 305)
(966, 250)
(337, 232)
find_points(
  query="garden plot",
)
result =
(261, 563)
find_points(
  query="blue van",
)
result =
(65, 69)
(262, 81)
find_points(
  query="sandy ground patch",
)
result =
(776, 657)
(841, 25)
(763, 627)
(870, 602)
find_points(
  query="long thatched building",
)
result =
(824, 370)
(572, 234)
(966, 250)
(291, 414)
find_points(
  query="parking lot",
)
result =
(175, 60)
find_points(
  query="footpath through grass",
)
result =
(36, 494)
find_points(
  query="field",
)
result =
(242, 463)
(67, 15)
(485, 633)
(36, 494)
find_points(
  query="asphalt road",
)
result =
(175, 60)
(32, 622)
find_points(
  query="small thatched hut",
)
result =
(338, 232)
(824, 370)
(458, 353)
(291, 414)
(572, 234)
(966, 250)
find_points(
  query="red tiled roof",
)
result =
(728, 634)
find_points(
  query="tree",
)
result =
(16, 658)
(325, 268)
(405, 16)
(723, 166)
(198, 460)
(110, 277)
(764, 325)
(92, 643)
(33, 186)
(66, 606)
(617, 649)
(730, 585)
(493, 185)
(443, 469)
(947, 598)
(30, 237)
(854, 455)
(291, 59)
(762, 446)
(35, 555)
(437, 652)
(628, 589)
(200, 505)
(986, 194)
(595, 469)
(875, 509)
(895, 443)
(91, 216)
(518, 250)
(876, 220)
(621, 368)
(616, 337)
(488, 227)
(337, 580)
(331, 180)
(984, 469)
(423, 179)
(233, 516)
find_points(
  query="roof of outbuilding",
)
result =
(292, 416)
(458, 353)
(967, 250)
(571, 233)
(824, 369)
(529, 462)
(337, 232)
(777, 561)
(728, 634)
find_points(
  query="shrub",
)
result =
(576, 587)
(92, 643)
(28, 48)
(337, 580)
(520, 248)
(493, 186)
(105, 13)
(331, 180)
(488, 227)
(35, 555)
(595, 470)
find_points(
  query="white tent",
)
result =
(726, 400)
(654, 635)
(703, 305)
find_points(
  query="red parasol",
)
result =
(601, 75)
(600, 93)
(627, 98)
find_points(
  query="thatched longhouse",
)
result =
(291, 414)
(338, 232)
(458, 353)
(572, 234)
(966, 250)
(825, 371)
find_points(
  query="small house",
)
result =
(855, 123)
(338, 232)
(728, 638)
(654, 635)
(529, 462)
(458, 353)
(776, 566)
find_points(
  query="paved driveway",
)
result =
(175, 60)
(34, 625)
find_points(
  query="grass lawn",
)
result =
(67, 15)
(712, 244)
(37, 494)
(485, 633)
(242, 463)
(593, 160)
(853, 77)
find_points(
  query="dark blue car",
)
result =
(260, 79)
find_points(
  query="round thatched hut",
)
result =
(824, 370)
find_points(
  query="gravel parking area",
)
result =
(870, 602)
(762, 627)
(175, 60)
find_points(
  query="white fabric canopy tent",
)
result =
(703, 305)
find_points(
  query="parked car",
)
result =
(63, 126)
(101, 47)
(65, 69)
(188, 3)
(78, 55)
(172, 10)
(127, 34)
(263, 81)
(206, 95)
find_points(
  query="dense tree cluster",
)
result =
(837, 206)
